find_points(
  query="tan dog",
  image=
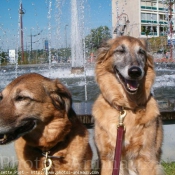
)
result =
(38, 112)
(125, 75)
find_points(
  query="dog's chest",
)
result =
(134, 137)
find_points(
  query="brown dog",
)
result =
(125, 75)
(38, 112)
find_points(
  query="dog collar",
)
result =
(120, 108)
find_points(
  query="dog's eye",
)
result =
(120, 50)
(21, 98)
(141, 51)
(1, 97)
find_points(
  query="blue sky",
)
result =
(36, 20)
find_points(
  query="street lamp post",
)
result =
(21, 12)
(121, 24)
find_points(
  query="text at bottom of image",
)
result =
(42, 173)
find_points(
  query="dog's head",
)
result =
(35, 107)
(127, 60)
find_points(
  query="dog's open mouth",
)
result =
(18, 132)
(131, 86)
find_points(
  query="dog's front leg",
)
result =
(106, 167)
(149, 168)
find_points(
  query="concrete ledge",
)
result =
(77, 70)
(83, 111)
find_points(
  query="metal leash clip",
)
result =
(121, 118)
(47, 163)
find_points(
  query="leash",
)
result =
(119, 140)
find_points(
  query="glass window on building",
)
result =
(143, 30)
(143, 16)
(163, 30)
(153, 29)
(162, 5)
(149, 30)
(162, 17)
(145, 3)
(154, 17)
(149, 17)
(149, 4)
(154, 4)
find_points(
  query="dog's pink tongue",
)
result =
(132, 85)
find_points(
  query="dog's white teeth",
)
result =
(4, 137)
(132, 88)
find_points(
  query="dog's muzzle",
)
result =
(131, 82)
(135, 72)
(14, 134)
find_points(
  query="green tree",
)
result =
(96, 37)
(3, 56)
(64, 54)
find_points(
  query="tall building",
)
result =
(143, 18)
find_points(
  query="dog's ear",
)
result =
(61, 96)
(103, 50)
(144, 43)
(150, 60)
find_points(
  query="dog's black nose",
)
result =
(134, 72)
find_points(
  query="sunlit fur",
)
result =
(143, 135)
(34, 97)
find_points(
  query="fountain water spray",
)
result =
(76, 39)
(49, 33)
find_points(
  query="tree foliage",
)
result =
(3, 58)
(96, 37)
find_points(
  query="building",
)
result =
(12, 56)
(143, 18)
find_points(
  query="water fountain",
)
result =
(77, 55)
(53, 34)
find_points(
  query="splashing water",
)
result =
(76, 36)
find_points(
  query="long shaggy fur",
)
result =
(143, 135)
(32, 99)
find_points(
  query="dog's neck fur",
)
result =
(47, 145)
(141, 106)
(51, 150)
